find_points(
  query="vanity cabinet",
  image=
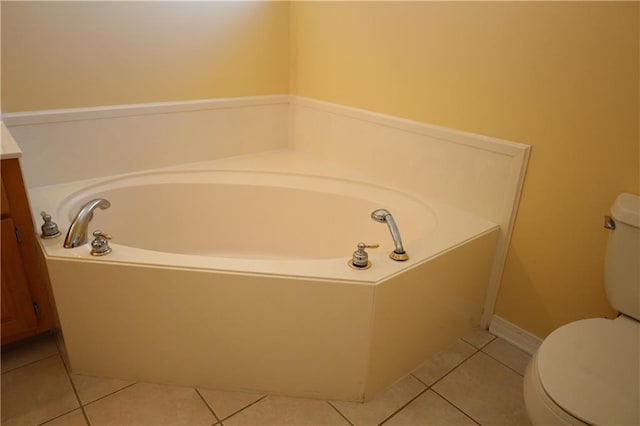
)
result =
(26, 307)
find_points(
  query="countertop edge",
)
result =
(8, 146)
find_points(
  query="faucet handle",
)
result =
(49, 228)
(364, 246)
(360, 259)
(100, 243)
(99, 233)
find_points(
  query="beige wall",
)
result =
(562, 77)
(79, 54)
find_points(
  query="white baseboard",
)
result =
(514, 335)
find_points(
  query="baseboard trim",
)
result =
(514, 334)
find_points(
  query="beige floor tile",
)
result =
(443, 362)
(150, 404)
(383, 405)
(283, 411)
(485, 390)
(225, 404)
(508, 354)
(74, 418)
(429, 409)
(479, 337)
(91, 388)
(29, 352)
(36, 393)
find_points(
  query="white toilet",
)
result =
(588, 372)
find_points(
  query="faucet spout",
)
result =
(383, 216)
(77, 234)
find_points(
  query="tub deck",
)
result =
(428, 227)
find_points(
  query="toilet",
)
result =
(588, 372)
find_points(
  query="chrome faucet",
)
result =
(77, 234)
(383, 216)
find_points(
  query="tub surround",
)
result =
(375, 327)
(90, 142)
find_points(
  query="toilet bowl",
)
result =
(588, 372)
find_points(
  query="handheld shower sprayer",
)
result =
(383, 216)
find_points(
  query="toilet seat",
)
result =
(591, 370)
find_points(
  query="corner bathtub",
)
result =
(234, 276)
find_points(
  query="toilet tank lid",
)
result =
(626, 209)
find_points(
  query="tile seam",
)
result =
(457, 408)
(73, 387)
(344, 416)
(33, 362)
(215, 416)
(502, 363)
(243, 408)
(423, 391)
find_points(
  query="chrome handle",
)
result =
(360, 259)
(609, 223)
(49, 228)
(100, 243)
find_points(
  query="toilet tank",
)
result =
(622, 263)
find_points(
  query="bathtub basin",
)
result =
(233, 275)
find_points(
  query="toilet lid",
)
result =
(591, 369)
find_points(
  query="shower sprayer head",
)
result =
(380, 215)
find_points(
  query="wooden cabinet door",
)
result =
(18, 315)
(4, 202)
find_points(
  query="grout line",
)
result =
(57, 417)
(404, 406)
(449, 371)
(109, 394)
(430, 387)
(243, 408)
(30, 343)
(86, 416)
(416, 377)
(75, 391)
(456, 407)
(502, 363)
(33, 362)
(481, 347)
(208, 406)
(339, 412)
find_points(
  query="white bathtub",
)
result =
(233, 275)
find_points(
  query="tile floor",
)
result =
(477, 380)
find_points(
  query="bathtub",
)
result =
(233, 274)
